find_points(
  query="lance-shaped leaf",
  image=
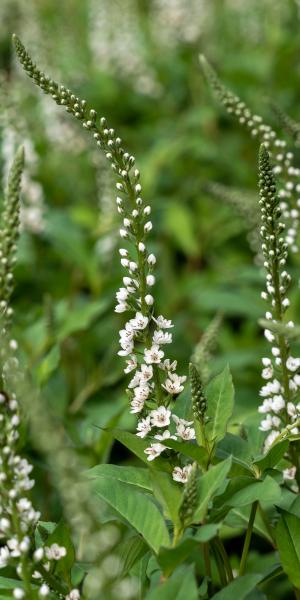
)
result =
(137, 508)
(288, 542)
(208, 486)
(220, 401)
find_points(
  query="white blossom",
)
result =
(154, 451)
(160, 417)
(143, 427)
(181, 474)
(153, 355)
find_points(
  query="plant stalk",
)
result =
(248, 538)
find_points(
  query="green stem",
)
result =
(248, 538)
(225, 558)
(219, 564)
(207, 560)
(267, 524)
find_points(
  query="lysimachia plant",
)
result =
(200, 483)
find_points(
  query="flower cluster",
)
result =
(287, 173)
(155, 383)
(281, 369)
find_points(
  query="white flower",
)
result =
(269, 335)
(266, 362)
(168, 366)
(73, 595)
(270, 439)
(122, 294)
(278, 403)
(186, 433)
(4, 556)
(162, 337)
(135, 381)
(123, 252)
(55, 552)
(154, 451)
(180, 421)
(160, 417)
(141, 392)
(275, 351)
(289, 473)
(181, 474)
(38, 554)
(163, 323)
(166, 435)
(18, 593)
(266, 406)
(142, 247)
(267, 373)
(121, 307)
(153, 354)
(131, 364)
(149, 299)
(137, 405)
(44, 590)
(151, 259)
(272, 387)
(146, 372)
(139, 322)
(291, 409)
(143, 427)
(127, 348)
(293, 363)
(148, 226)
(150, 280)
(173, 384)
(266, 424)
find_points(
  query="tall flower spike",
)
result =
(17, 514)
(281, 369)
(9, 233)
(155, 381)
(283, 158)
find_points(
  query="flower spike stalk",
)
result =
(155, 383)
(283, 159)
(281, 369)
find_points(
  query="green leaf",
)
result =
(132, 475)
(10, 584)
(137, 508)
(208, 486)
(197, 453)
(180, 586)
(273, 456)
(239, 588)
(168, 494)
(48, 365)
(79, 318)
(288, 543)
(220, 401)
(266, 492)
(132, 550)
